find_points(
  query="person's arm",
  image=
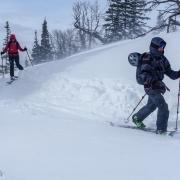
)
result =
(20, 48)
(169, 72)
(6, 48)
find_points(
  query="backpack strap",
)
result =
(9, 44)
(154, 60)
(17, 45)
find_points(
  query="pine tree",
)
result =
(46, 50)
(36, 51)
(125, 19)
(136, 17)
(114, 26)
(6, 40)
(8, 33)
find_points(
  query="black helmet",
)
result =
(133, 58)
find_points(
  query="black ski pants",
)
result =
(155, 100)
(11, 61)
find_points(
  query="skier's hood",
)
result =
(12, 36)
(156, 42)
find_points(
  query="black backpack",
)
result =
(138, 62)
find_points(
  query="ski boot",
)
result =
(138, 124)
(12, 78)
(161, 132)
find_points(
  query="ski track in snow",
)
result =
(103, 99)
(84, 97)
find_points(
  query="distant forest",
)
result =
(93, 25)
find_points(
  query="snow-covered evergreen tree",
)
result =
(46, 50)
(6, 40)
(8, 33)
(136, 17)
(114, 16)
(125, 19)
(36, 51)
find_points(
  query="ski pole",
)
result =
(176, 128)
(29, 58)
(2, 67)
(127, 120)
(163, 84)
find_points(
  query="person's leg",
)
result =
(11, 61)
(144, 111)
(163, 112)
(17, 63)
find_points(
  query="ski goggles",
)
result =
(162, 45)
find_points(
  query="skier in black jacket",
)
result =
(154, 66)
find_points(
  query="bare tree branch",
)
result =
(171, 11)
(95, 34)
(153, 29)
(87, 21)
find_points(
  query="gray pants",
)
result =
(155, 100)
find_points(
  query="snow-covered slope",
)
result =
(53, 119)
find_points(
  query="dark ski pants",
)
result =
(11, 61)
(155, 100)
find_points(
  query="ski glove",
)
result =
(2, 52)
(25, 49)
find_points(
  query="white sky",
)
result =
(27, 16)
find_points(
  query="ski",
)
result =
(151, 130)
(10, 82)
(172, 133)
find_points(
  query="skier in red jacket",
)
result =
(13, 46)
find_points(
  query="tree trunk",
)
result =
(169, 23)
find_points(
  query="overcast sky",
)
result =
(27, 16)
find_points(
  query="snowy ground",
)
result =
(53, 119)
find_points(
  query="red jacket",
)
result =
(13, 48)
